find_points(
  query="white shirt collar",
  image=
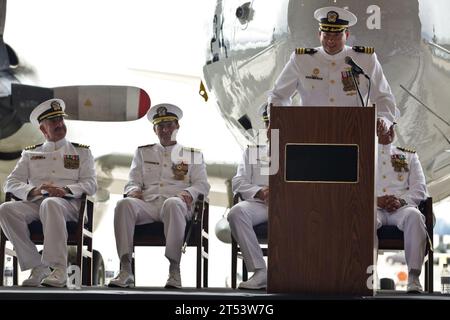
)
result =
(168, 148)
(337, 56)
(50, 146)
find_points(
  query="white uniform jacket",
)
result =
(400, 174)
(166, 171)
(324, 80)
(249, 178)
(61, 163)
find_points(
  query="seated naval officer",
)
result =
(401, 186)
(253, 187)
(48, 178)
(165, 179)
(322, 77)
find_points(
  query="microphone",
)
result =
(358, 70)
(355, 68)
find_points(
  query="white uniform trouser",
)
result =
(53, 213)
(173, 212)
(412, 222)
(242, 217)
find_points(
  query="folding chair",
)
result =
(79, 235)
(391, 238)
(196, 235)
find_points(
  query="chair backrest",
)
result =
(152, 234)
(79, 233)
(196, 235)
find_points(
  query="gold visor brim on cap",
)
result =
(332, 27)
(52, 115)
(162, 119)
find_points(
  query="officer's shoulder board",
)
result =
(33, 147)
(191, 149)
(363, 49)
(410, 150)
(80, 145)
(147, 145)
(310, 51)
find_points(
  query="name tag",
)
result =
(37, 157)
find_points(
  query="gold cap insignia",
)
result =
(332, 16)
(55, 105)
(161, 111)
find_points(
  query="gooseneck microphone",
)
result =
(356, 70)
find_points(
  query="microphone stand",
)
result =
(357, 88)
(368, 90)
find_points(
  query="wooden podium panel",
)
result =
(321, 231)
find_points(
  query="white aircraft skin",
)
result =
(65, 44)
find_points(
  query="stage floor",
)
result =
(158, 293)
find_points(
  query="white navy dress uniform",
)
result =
(161, 173)
(400, 174)
(250, 179)
(61, 163)
(322, 79)
(252, 211)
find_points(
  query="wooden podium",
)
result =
(321, 208)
